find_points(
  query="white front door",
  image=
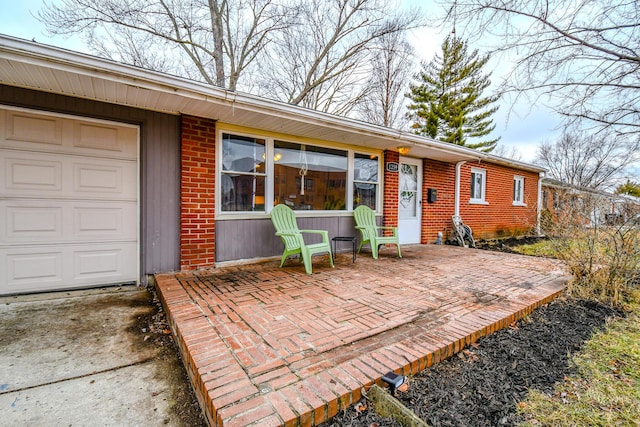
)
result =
(410, 200)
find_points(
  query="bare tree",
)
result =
(507, 152)
(322, 62)
(588, 161)
(307, 52)
(583, 55)
(211, 40)
(392, 66)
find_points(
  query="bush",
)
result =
(603, 259)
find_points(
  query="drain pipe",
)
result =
(456, 207)
(539, 215)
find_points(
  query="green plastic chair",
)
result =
(366, 222)
(284, 221)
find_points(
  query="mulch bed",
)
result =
(482, 385)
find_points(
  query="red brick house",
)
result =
(112, 173)
(560, 202)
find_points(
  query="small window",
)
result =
(518, 191)
(478, 184)
(365, 180)
(243, 173)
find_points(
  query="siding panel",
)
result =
(255, 238)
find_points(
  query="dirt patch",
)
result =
(507, 245)
(482, 385)
(153, 330)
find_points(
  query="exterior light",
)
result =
(404, 150)
(393, 380)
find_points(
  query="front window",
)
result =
(478, 184)
(307, 177)
(518, 190)
(243, 173)
(365, 180)
(257, 173)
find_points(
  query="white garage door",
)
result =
(68, 202)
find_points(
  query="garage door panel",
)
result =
(63, 176)
(29, 223)
(104, 179)
(28, 266)
(98, 263)
(34, 128)
(103, 263)
(98, 178)
(32, 174)
(95, 221)
(59, 221)
(37, 268)
(104, 138)
(48, 133)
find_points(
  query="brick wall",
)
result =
(197, 211)
(498, 218)
(391, 184)
(437, 216)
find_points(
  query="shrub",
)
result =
(604, 259)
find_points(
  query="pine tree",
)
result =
(630, 187)
(447, 100)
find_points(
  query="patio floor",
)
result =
(269, 346)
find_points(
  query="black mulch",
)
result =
(483, 384)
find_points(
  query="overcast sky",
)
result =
(524, 130)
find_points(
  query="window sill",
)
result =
(520, 204)
(478, 202)
(231, 216)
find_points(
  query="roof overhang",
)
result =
(45, 68)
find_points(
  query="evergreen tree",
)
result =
(447, 98)
(631, 188)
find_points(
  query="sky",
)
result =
(527, 126)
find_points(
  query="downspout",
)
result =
(456, 207)
(539, 213)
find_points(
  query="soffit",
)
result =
(35, 66)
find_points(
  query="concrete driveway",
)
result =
(90, 358)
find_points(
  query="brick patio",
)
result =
(269, 346)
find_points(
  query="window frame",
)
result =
(269, 173)
(353, 181)
(518, 201)
(483, 189)
(222, 172)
